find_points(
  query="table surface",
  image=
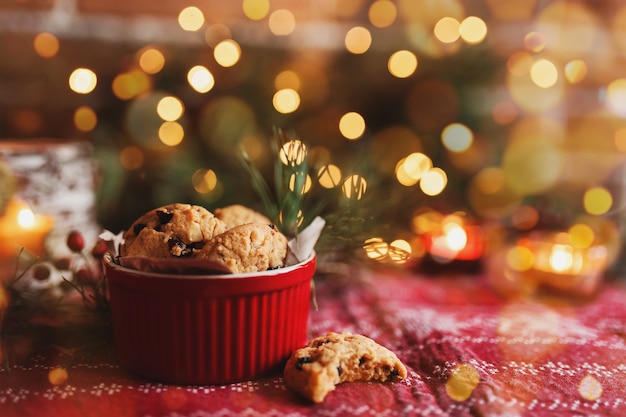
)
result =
(533, 357)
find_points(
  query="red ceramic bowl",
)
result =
(208, 329)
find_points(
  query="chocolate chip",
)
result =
(362, 360)
(302, 361)
(164, 216)
(339, 370)
(394, 373)
(178, 247)
(272, 226)
(138, 228)
(196, 245)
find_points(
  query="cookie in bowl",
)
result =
(173, 230)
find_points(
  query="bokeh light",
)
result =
(382, 13)
(544, 73)
(171, 133)
(227, 53)
(200, 79)
(191, 19)
(473, 30)
(354, 187)
(576, 71)
(447, 30)
(293, 153)
(204, 181)
(358, 40)
(256, 9)
(352, 125)
(402, 64)
(434, 181)
(282, 22)
(597, 201)
(170, 108)
(329, 176)
(151, 60)
(83, 80)
(286, 100)
(85, 119)
(130, 84)
(457, 137)
(462, 382)
(46, 45)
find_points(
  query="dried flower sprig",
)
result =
(75, 311)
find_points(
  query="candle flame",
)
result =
(26, 218)
(455, 237)
(561, 258)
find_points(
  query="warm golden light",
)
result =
(282, 22)
(131, 84)
(575, 71)
(597, 201)
(204, 181)
(473, 30)
(358, 40)
(256, 9)
(534, 42)
(170, 108)
(447, 30)
(410, 170)
(544, 73)
(352, 125)
(46, 45)
(561, 258)
(616, 97)
(304, 186)
(151, 60)
(329, 176)
(227, 53)
(462, 382)
(590, 388)
(382, 13)
(83, 80)
(457, 137)
(434, 181)
(293, 153)
(354, 187)
(287, 79)
(286, 100)
(85, 119)
(171, 133)
(520, 258)
(25, 218)
(402, 64)
(191, 19)
(200, 79)
(581, 235)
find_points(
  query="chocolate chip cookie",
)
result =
(251, 247)
(315, 370)
(236, 214)
(174, 230)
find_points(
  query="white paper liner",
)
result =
(299, 249)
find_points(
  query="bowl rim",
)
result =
(108, 261)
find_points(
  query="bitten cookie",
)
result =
(315, 370)
(174, 230)
(249, 247)
(236, 215)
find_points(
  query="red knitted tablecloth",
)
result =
(525, 358)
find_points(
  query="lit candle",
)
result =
(550, 261)
(21, 228)
(455, 240)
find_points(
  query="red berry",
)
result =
(41, 272)
(75, 241)
(99, 249)
(84, 276)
